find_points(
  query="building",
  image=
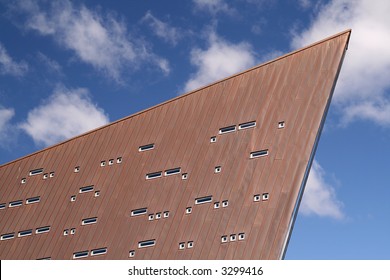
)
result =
(217, 173)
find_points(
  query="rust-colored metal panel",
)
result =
(253, 199)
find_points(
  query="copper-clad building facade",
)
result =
(217, 173)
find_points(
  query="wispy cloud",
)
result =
(6, 129)
(319, 197)
(214, 6)
(67, 113)
(219, 60)
(99, 40)
(162, 29)
(10, 67)
(363, 88)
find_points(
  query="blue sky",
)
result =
(69, 66)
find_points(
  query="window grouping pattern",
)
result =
(26, 232)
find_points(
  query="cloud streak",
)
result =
(98, 40)
(10, 67)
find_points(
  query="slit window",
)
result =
(188, 210)
(257, 154)
(265, 196)
(86, 189)
(42, 230)
(166, 214)
(119, 160)
(89, 221)
(36, 171)
(172, 171)
(100, 251)
(213, 139)
(146, 243)
(23, 181)
(146, 147)
(205, 199)
(25, 233)
(2, 206)
(182, 245)
(224, 239)
(281, 124)
(132, 254)
(33, 200)
(153, 175)
(7, 236)
(190, 244)
(241, 236)
(247, 125)
(227, 129)
(140, 211)
(82, 254)
(45, 258)
(77, 169)
(15, 203)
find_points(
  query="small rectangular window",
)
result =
(188, 210)
(89, 221)
(140, 211)
(33, 200)
(184, 176)
(100, 251)
(86, 189)
(224, 239)
(153, 175)
(97, 193)
(36, 171)
(77, 169)
(25, 233)
(172, 171)
(281, 124)
(7, 236)
(190, 244)
(151, 217)
(23, 181)
(146, 147)
(111, 162)
(42, 230)
(182, 245)
(247, 125)
(213, 139)
(232, 237)
(2, 206)
(265, 196)
(217, 169)
(82, 254)
(241, 236)
(66, 232)
(73, 198)
(15, 203)
(132, 254)
(146, 243)
(158, 215)
(119, 160)
(205, 199)
(166, 214)
(45, 176)
(225, 203)
(256, 197)
(260, 153)
(227, 129)
(103, 163)
(51, 174)
(72, 231)
(216, 205)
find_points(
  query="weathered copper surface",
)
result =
(294, 89)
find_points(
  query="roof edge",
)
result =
(348, 31)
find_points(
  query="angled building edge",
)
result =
(217, 173)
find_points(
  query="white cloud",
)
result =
(101, 41)
(6, 114)
(219, 60)
(363, 88)
(163, 30)
(213, 6)
(319, 197)
(9, 66)
(305, 3)
(67, 113)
